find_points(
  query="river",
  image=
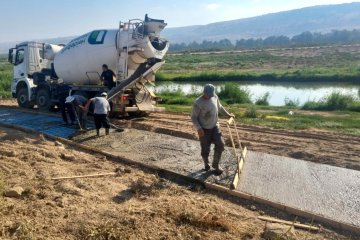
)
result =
(300, 92)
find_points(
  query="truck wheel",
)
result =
(23, 98)
(43, 99)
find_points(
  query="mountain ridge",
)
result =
(321, 18)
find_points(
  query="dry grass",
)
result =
(19, 231)
(2, 186)
(110, 230)
(136, 205)
(147, 186)
(208, 221)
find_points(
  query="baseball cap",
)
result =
(209, 90)
(69, 99)
(104, 94)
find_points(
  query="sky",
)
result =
(22, 20)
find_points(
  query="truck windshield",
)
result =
(19, 56)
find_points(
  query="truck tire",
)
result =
(23, 98)
(43, 100)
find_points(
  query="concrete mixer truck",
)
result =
(134, 52)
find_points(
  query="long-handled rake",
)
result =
(239, 158)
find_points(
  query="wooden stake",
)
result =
(86, 176)
(240, 165)
(297, 225)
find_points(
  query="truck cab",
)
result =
(27, 58)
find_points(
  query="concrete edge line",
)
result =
(211, 186)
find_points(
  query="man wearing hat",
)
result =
(205, 119)
(101, 111)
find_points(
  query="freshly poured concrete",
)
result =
(325, 190)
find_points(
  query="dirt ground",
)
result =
(132, 205)
(312, 145)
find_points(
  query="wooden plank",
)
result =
(230, 121)
(297, 225)
(235, 181)
(86, 176)
(242, 159)
(240, 165)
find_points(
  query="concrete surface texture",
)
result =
(164, 151)
(329, 191)
(43, 123)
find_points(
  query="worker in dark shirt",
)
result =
(63, 92)
(107, 77)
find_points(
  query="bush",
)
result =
(291, 102)
(334, 101)
(355, 107)
(176, 97)
(338, 101)
(231, 93)
(263, 100)
(251, 112)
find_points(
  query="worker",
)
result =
(205, 119)
(63, 92)
(76, 105)
(107, 76)
(101, 112)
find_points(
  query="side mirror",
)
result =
(11, 56)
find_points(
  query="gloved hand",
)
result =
(232, 115)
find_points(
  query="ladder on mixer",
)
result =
(123, 54)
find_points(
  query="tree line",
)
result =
(301, 40)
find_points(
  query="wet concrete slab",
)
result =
(329, 191)
(164, 151)
(47, 124)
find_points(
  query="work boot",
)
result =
(206, 164)
(98, 132)
(218, 170)
(215, 164)
(107, 130)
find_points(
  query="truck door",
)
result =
(20, 70)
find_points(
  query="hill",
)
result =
(322, 18)
(4, 47)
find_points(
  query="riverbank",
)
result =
(294, 118)
(318, 64)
